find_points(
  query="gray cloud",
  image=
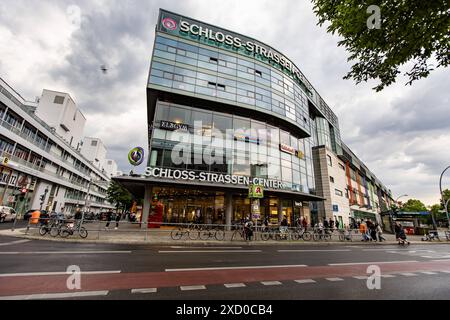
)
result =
(400, 133)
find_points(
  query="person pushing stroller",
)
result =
(400, 234)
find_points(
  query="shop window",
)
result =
(331, 179)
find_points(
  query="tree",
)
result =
(411, 31)
(119, 196)
(413, 205)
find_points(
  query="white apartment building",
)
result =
(111, 168)
(59, 111)
(95, 151)
(44, 156)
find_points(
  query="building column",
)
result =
(228, 209)
(146, 206)
(280, 210)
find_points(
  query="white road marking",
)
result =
(409, 274)
(13, 242)
(190, 288)
(334, 279)
(234, 285)
(362, 263)
(428, 272)
(427, 257)
(180, 247)
(236, 268)
(211, 251)
(65, 252)
(361, 277)
(149, 290)
(445, 271)
(294, 250)
(56, 295)
(30, 274)
(438, 260)
(305, 281)
(271, 283)
(387, 276)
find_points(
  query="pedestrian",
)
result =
(248, 230)
(118, 216)
(78, 217)
(331, 224)
(337, 224)
(380, 233)
(109, 216)
(305, 224)
(363, 230)
(266, 223)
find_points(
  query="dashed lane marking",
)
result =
(31, 274)
(190, 288)
(65, 252)
(271, 283)
(361, 277)
(47, 296)
(180, 247)
(387, 276)
(210, 251)
(237, 268)
(305, 281)
(374, 262)
(336, 250)
(149, 290)
(234, 285)
(13, 242)
(428, 272)
(334, 279)
(409, 274)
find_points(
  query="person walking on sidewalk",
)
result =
(109, 216)
(380, 233)
(363, 230)
(118, 216)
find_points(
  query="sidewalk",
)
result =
(131, 234)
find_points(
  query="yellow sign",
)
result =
(4, 160)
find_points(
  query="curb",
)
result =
(18, 234)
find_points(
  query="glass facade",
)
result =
(246, 147)
(233, 78)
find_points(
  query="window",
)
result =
(341, 166)
(93, 143)
(331, 179)
(58, 100)
(258, 73)
(338, 192)
(330, 163)
(214, 60)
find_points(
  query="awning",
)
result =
(136, 185)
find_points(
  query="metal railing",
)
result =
(104, 229)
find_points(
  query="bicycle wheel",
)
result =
(205, 235)
(295, 236)
(64, 232)
(327, 237)
(43, 230)
(54, 231)
(316, 237)
(176, 234)
(237, 236)
(193, 234)
(265, 236)
(219, 235)
(341, 237)
(83, 232)
(306, 236)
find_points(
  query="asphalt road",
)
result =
(33, 269)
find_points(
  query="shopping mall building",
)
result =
(227, 112)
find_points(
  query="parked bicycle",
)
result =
(301, 233)
(47, 226)
(70, 229)
(321, 235)
(192, 232)
(345, 235)
(207, 234)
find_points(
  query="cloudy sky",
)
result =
(402, 133)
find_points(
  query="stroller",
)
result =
(432, 235)
(402, 240)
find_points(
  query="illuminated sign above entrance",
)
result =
(187, 175)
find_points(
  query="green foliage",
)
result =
(412, 31)
(413, 205)
(119, 196)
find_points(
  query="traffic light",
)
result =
(23, 190)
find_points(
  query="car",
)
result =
(7, 214)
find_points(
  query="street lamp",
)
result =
(405, 195)
(396, 203)
(442, 194)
